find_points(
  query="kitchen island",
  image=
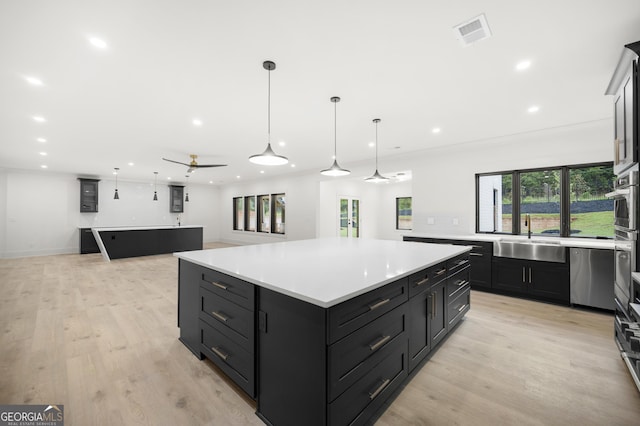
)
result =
(132, 241)
(321, 331)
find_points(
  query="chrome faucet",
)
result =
(527, 223)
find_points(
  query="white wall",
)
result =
(42, 211)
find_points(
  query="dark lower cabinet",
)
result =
(308, 365)
(145, 242)
(88, 242)
(540, 280)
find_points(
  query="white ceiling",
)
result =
(168, 62)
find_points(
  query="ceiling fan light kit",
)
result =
(335, 169)
(268, 157)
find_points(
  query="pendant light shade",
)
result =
(377, 177)
(186, 198)
(115, 195)
(268, 157)
(155, 183)
(335, 169)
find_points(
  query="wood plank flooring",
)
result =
(101, 338)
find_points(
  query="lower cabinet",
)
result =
(536, 279)
(88, 242)
(308, 365)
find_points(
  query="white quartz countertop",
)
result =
(324, 271)
(137, 228)
(566, 242)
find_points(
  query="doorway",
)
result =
(349, 217)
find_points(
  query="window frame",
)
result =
(247, 213)
(398, 215)
(274, 199)
(236, 225)
(260, 213)
(565, 201)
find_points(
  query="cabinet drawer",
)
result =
(235, 361)
(233, 289)
(459, 306)
(230, 319)
(351, 315)
(421, 281)
(458, 263)
(353, 356)
(458, 283)
(356, 405)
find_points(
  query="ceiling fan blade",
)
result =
(209, 165)
(177, 162)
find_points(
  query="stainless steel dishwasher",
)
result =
(592, 277)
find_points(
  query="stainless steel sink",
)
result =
(541, 250)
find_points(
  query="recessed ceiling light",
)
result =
(168, 177)
(98, 42)
(435, 130)
(34, 81)
(44, 166)
(43, 154)
(131, 164)
(237, 177)
(281, 143)
(210, 181)
(523, 65)
(261, 171)
(533, 108)
(39, 118)
(372, 144)
(293, 165)
(197, 122)
(43, 140)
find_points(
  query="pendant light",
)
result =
(335, 169)
(155, 184)
(115, 195)
(377, 177)
(186, 199)
(268, 157)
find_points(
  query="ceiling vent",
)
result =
(472, 30)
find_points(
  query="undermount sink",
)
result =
(541, 250)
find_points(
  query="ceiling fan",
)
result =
(193, 165)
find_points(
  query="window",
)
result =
(560, 201)
(403, 213)
(494, 205)
(263, 214)
(250, 213)
(238, 213)
(277, 213)
(590, 212)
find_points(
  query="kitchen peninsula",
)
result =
(132, 241)
(323, 331)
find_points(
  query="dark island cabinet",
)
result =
(88, 195)
(88, 242)
(535, 279)
(309, 365)
(480, 258)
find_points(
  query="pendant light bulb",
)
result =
(269, 157)
(377, 177)
(155, 184)
(335, 169)
(115, 195)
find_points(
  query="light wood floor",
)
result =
(101, 338)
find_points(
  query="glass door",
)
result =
(349, 214)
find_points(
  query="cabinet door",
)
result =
(189, 305)
(480, 270)
(510, 275)
(175, 199)
(438, 308)
(549, 280)
(88, 196)
(419, 329)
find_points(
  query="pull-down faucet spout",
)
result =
(527, 223)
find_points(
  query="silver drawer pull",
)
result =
(379, 389)
(441, 271)
(461, 308)
(476, 254)
(460, 283)
(220, 353)
(462, 262)
(379, 343)
(222, 286)
(380, 303)
(424, 281)
(220, 316)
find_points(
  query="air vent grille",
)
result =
(472, 30)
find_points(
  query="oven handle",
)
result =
(618, 193)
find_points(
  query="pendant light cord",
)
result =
(376, 146)
(269, 107)
(335, 131)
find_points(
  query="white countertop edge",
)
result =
(136, 228)
(321, 303)
(564, 241)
